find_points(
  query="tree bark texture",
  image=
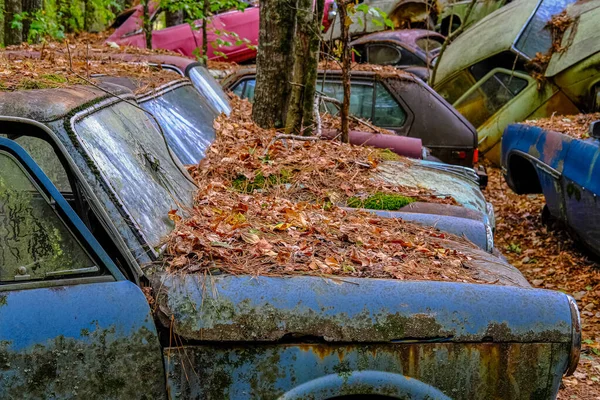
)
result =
(346, 56)
(147, 24)
(12, 35)
(30, 7)
(273, 62)
(205, 11)
(173, 18)
(304, 72)
(310, 75)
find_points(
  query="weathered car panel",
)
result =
(185, 40)
(258, 309)
(233, 313)
(564, 169)
(551, 321)
(449, 135)
(66, 336)
(473, 229)
(564, 91)
(410, 47)
(399, 371)
(442, 183)
(582, 36)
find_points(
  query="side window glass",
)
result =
(490, 96)
(409, 59)
(43, 154)
(239, 89)
(383, 54)
(34, 242)
(453, 89)
(361, 98)
(249, 92)
(387, 110)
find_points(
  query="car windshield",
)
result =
(210, 88)
(131, 154)
(186, 119)
(490, 96)
(536, 37)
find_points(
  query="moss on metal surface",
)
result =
(381, 201)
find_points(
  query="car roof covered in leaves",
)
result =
(45, 105)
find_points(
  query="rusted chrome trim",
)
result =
(575, 352)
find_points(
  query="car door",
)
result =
(71, 326)
(581, 186)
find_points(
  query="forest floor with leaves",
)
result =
(550, 259)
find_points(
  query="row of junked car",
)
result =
(512, 65)
(87, 181)
(233, 35)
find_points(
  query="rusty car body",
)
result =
(186, 40)
(87, 183)
(445, 16)
(398, 102)
(565, 169)
(488, 73)
(412, 50)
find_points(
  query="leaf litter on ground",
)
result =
(550, 259)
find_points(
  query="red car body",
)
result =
(185, 40)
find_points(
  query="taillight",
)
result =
(460, 154)
(476, 156)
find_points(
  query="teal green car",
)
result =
(492, 76)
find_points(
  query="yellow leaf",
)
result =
(251, 238)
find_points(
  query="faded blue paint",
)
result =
(476, 231)
(242, 308)
(467, 371)
(62, 207)
(34, 316)
(568, 171)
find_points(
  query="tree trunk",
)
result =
(304, 75)
(310, 74)
(205, 11)
(275, 55)
(12, 35)
(293, 121)
(147, 24)
(173, 18)
(30, 7)
(345, 38)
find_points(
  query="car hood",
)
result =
(263, 309)
(461, 183)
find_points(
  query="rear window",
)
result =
(133, 157)
(430, 45)
(187, 121)
(536, 37)
(208, 86)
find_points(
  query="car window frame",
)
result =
(383, 44)
(486, 77)
(108, 271)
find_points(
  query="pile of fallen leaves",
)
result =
(576, 126)
(57, 68)
(550, 259)
(290, 223)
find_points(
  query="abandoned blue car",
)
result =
(565, 169)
